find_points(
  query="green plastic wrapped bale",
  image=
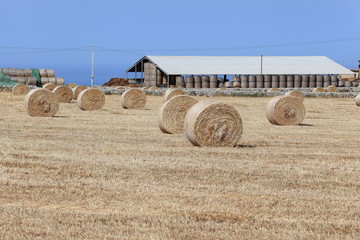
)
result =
(5, 81)
(36, 73)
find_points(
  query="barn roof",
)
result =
(208, 65)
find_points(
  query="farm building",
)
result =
(244, 71)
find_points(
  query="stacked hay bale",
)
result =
(29, 77)
(172, 114)
(152, 75)
(214, 124)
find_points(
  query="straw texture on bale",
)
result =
(295, 93)
(72, 85)
(273, 90)
(77, 90)
(357, 100)
(20, 89)
(331, 88)
(133, 99)
(214, 124)
(41, 102)
(50, 86)
(172, 113)
(91, 99)
(154, 88)
(172, 93)
(63, 93)
(285, 110)
(319, 89)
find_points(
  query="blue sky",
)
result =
(58, 34)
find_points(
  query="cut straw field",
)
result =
(113, 174)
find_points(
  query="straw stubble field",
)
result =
(112, 174)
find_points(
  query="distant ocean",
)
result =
(81, 75)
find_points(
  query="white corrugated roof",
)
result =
(207, 65)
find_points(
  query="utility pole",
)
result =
(92, 66)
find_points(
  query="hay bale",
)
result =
(120, 88)
(146, 88)
(20, 89)
(222, 89)
(172, 114)
(72, 85)
(91, 99)
(318, 89)
(172, 92)
(153, 88)
(63, 93)
(273, 90)
(295, 93)
(285, 110)
(214, 124)
(133, 99)
(77, 90)
(357, 100)
(41, 102)
(49, 86)
(331, 88)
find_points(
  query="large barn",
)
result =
(239, 71)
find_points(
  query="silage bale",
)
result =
(295, 93)
(172, 114)
(50, 86)
(285, 110)
(172, 93)
(133, 99)
(331, 88)
(77, 90)
(318, 89)
(41, 102)
(63, 93)
(91, 99)
(214, 124)
(20, 89)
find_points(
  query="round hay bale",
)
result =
(285, 110)
(120, 88)
(222, 89)
(91, 99)
(319, 89)
(41, 102)
(50, 86)
(296, 93)
(63, 93)
(133, 99)
(153, 88)
(172, 93)
(146, 88)
(77, 90)
(273, 90)
(72, 85)
(20, 89)
(357, 100)
(331, 88)
(172, 113)
(214, 124)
